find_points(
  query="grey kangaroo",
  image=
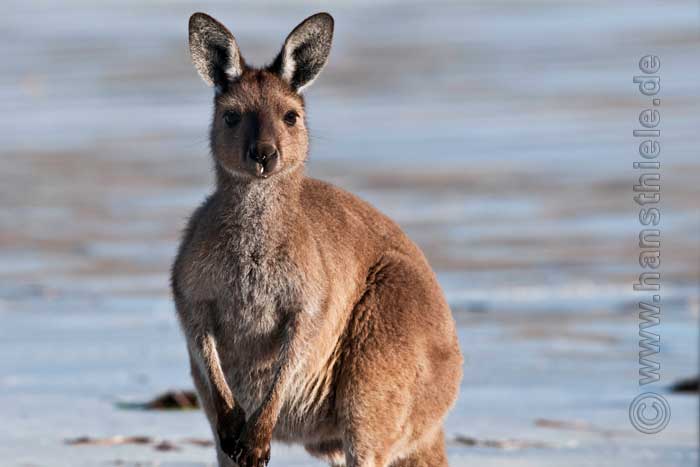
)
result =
(310, 317)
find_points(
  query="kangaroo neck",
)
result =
(260, 206)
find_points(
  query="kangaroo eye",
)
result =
(290, 118)
(232, 118)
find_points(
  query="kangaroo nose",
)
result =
(263, 152)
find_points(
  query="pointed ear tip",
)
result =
(199, 19)
(325, 17)
(198, 15)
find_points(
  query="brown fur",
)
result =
(310, 317)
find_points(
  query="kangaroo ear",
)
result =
(214, 51)
(305, 51)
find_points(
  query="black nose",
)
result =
(263, 152)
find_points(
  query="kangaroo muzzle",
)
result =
(264, 157)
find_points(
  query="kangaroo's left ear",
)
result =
(305, 51)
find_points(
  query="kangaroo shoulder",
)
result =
(194, 245)
(346, 218)
(328, 201)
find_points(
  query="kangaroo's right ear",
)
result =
(214, 51)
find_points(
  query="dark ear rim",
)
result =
(287, 71)
(214, 51)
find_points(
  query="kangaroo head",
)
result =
(259, 125)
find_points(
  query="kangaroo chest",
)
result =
(257, 286)
(255, 290)
(251, 273)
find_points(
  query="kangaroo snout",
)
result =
(264, 158)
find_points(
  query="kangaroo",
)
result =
(310, 317)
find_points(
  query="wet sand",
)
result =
(498, 135)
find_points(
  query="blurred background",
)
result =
(497, 133)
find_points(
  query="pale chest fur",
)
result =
(249, 274)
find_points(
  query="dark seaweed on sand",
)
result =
(170, 400)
